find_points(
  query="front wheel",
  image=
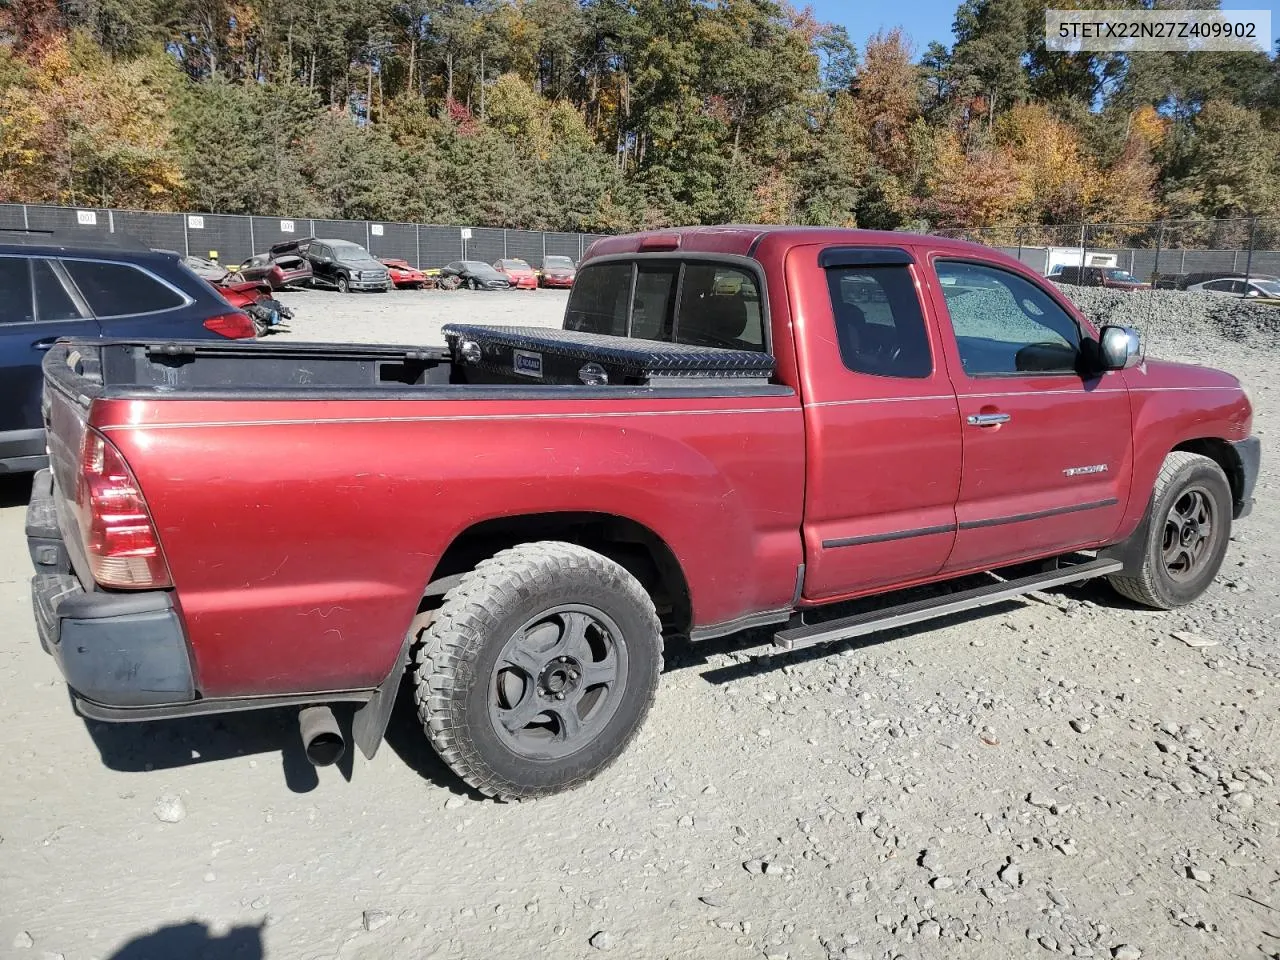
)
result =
(1189, 526)
(538, 669)
(473, 284)
(344, 286)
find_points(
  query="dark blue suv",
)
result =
(51, 288)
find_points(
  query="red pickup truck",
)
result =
(736, 426)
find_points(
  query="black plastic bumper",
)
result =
(1249, 452)
(116, 649)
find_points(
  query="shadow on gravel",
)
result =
(406, 737)
(164, 745)
(763, 657)
(15, 489)
(194, 939)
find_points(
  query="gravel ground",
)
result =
(1066, 775)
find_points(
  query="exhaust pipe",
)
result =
(321, 737)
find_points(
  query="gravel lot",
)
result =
(1065, 775)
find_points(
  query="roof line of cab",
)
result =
(745, 239)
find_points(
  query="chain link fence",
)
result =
(1166, 253)
(233, 239)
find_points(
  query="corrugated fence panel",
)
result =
(160, 230)
(397, 240)
(227, 236)
(69, 220)
(486, 244)
(563, 245)
(353, 230)
(439, 246)
(268, 231)
(11, 216)
(525, 245)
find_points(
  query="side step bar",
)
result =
(874, 621)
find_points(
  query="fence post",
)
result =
(544, 249)
(1182, 268)
(186, 241)
(504, 243)
(1019, 235)
(253, 247)
(26, 224)
(1248, 264)
(1082, 252)
(1155, 270)
(417, 248)
(368, 238)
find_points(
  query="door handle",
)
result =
(44, 344)
(987, 419)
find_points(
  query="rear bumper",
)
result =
(1249, 453)
(114, 649)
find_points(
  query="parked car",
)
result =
(404, 276)
(1112, 277)
(687, 458)
(53, 287)
(343, 266)
(209, 270)
(518, 272)
(283, 266)
(557, 272)
(476, 275)
(1260, 291)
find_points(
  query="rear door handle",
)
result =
(44, 344)
(987, 419)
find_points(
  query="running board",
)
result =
(874, 621)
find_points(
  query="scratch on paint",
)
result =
(324, 614)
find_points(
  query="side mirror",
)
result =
(1253, 293)
(1119, 348)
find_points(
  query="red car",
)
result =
(241, 294)
(558, 272)
(282, 267)
(403, 276)
(792, 418)
(521, 275)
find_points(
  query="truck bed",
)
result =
(257, 370)
(304, 494)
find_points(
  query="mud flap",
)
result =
(369, 724)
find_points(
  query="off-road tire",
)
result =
(1154, 586)
(459, 653)
(343, 285)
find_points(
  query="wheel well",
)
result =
(636, 548)
(1225, 456)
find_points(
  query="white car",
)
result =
(1239, 287)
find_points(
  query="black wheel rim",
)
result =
(1188, 533)
(558, 682)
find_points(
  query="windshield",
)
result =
(557, 263)
(1269, 288)
(348, 250)
(1122, 276)
(514, 265)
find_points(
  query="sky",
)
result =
(925, 20)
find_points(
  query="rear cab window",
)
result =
(709, 303)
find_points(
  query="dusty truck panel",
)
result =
(245, 526)
(325, 570)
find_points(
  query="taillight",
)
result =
(234, 326)
(120, 540)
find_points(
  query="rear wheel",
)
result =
(1188, 531)
(538, 669)
(344, 286)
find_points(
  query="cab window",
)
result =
(1005, 325)
(699, 303)
(879, 326)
